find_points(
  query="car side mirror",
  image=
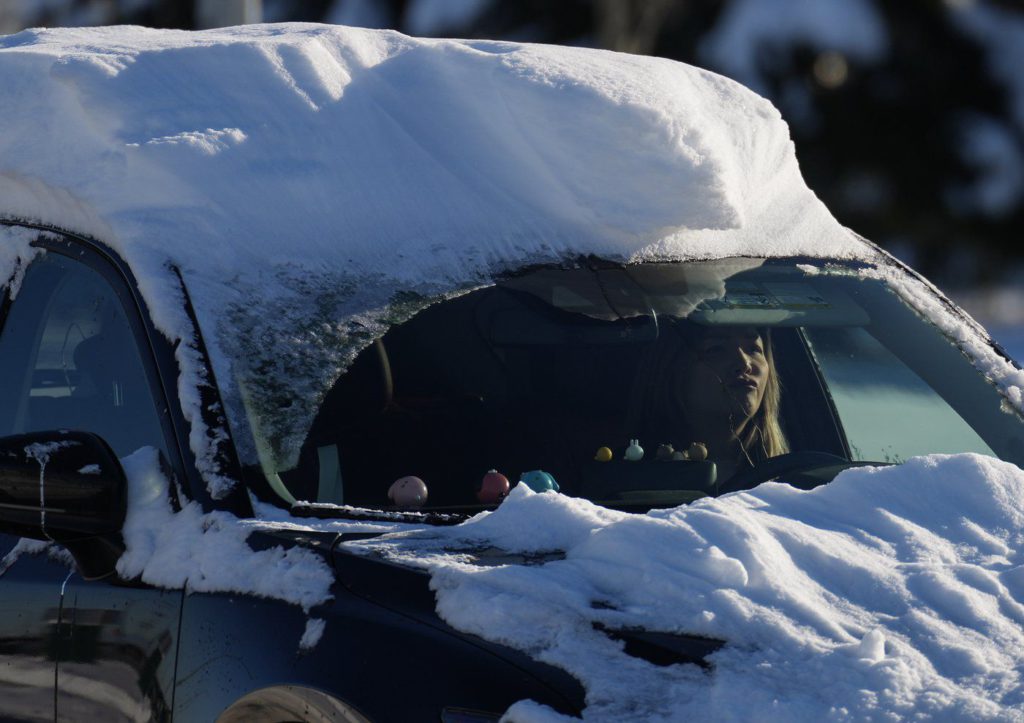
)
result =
(68, 487)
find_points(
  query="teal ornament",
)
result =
(539, 481)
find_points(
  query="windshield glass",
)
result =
(640, 386)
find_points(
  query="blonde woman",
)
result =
(723, 390)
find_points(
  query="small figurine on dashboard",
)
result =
(539, 481)
(634, 452)
(664, 453)
(408, 492)
(493, 487)
(698, 452)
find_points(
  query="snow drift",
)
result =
(888, 594)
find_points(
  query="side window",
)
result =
(69, 360)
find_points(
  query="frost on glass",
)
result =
(288, 350)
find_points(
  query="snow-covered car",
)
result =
(349, 376)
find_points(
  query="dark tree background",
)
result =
(890, 143)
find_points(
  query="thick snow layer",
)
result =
(891, 593)
(208, 552)
(305, 179)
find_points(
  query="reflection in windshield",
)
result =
(640, 386)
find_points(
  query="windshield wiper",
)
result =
(664, 649)
(326, 511)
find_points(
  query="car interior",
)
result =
(497, 380)
(544, 372)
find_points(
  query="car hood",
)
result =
(845, 582)
(404, 586)
(406, 591)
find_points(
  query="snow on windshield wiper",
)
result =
(323, 510)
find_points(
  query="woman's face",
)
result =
(727, 379)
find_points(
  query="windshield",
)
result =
(641, 386)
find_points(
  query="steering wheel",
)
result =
(791, 463)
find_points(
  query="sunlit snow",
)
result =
(890, 593)
(207, 552)
(315, 183)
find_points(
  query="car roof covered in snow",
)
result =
(326, 145)
(302, 178)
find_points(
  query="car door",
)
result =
(30, 583)
(73, 356)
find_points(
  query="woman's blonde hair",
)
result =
(656, 412)
(766, 436)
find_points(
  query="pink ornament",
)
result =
(493, 488)
(408, 492)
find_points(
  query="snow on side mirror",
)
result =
(67, 487)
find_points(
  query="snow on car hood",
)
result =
(889, 594)
(315, 183)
